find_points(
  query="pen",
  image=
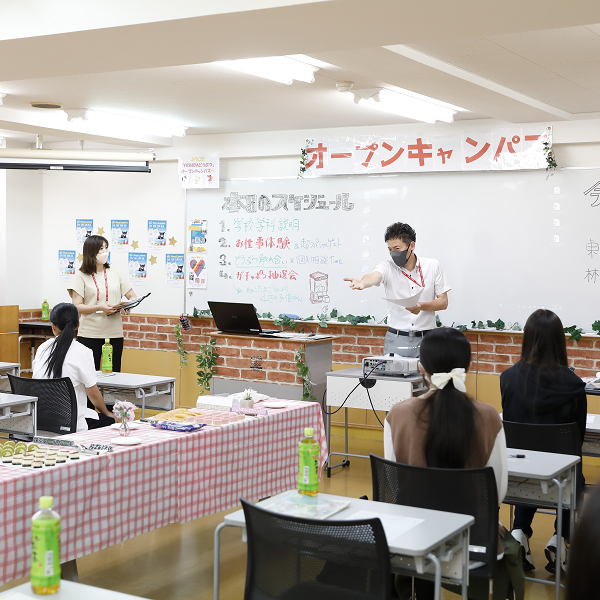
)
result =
(517, 456)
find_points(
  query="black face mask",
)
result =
(400, 258)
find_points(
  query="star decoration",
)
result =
(153, 260)
(100, 230)
(80, 257)
(172, 241)
(135, 245)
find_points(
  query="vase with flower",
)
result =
(124, 411)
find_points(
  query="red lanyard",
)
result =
(420, 273)
(106, 285)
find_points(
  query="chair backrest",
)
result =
(563, 438)
(305, 559)
(56, 405)
(465, 491)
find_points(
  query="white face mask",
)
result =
(102, 257)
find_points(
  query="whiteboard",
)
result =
(509, 242)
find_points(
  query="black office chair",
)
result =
(561, 438)
(465, 491)
(56, 405)
(307, 559)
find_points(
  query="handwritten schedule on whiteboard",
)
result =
(508, 242)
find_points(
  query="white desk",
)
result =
(7, 368)
(18, 414)
(386, 392)
(591, 440)
(139, 387)
(69, 590)
(440, 544)
(544, 479)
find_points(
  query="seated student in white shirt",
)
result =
(403, 275)
(65, 357)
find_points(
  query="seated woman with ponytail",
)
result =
(65, 357)
(445, 428)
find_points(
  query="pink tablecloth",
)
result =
(169, 478)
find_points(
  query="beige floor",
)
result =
(176, 562)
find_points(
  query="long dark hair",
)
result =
(544, 342)
(91, 247)
(64, 316)
(583, 578)
(451, 434)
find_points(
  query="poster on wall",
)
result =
(119, 233)
(198, 235)
(199, 171)
(196, 271)
(66, 264)
(83, 228)
(137, 267)
(157, 232)
(174, 264)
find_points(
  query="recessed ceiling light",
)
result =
(45, 105)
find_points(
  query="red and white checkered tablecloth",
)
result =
(170, 477)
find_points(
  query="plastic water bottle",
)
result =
(45, 310)
(107, 355)
(308, 476)
(45, 549)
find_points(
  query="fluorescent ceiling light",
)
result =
(100, 121)
(276, 68)
(407, 104)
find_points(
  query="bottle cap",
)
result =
(45, 300)
(107, 340)
(46, 501)
(308, 431)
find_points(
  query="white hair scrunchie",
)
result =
(458, 376)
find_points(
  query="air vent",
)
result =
(45, 105)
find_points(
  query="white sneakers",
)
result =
(550, 552)
(520, 536)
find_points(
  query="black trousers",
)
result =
(95, 345)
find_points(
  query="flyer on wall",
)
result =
(196, 271)
(119, 233)
(157, 232)
(137, 267)
(174, 269)
(66, 264)
(83, 228)
(197, 240)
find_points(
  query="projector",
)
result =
(390, 364)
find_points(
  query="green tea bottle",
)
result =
(45, 310)
(308, 475)
(107, 354)
(45, 549)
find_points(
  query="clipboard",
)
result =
(130, 303)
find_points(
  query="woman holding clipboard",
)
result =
(95, 291)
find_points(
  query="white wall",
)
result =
(105, 196)
(24, 244)
(3, 256)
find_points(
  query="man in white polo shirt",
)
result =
(403, 274)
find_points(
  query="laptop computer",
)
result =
(237, 317)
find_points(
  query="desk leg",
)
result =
(559, 531)
(68, 571)
(465, 566)
(573, 505)
(438, 575)
(346, 430)
(143, 402)
(217, 559)
(172, 395)
(328, 416)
